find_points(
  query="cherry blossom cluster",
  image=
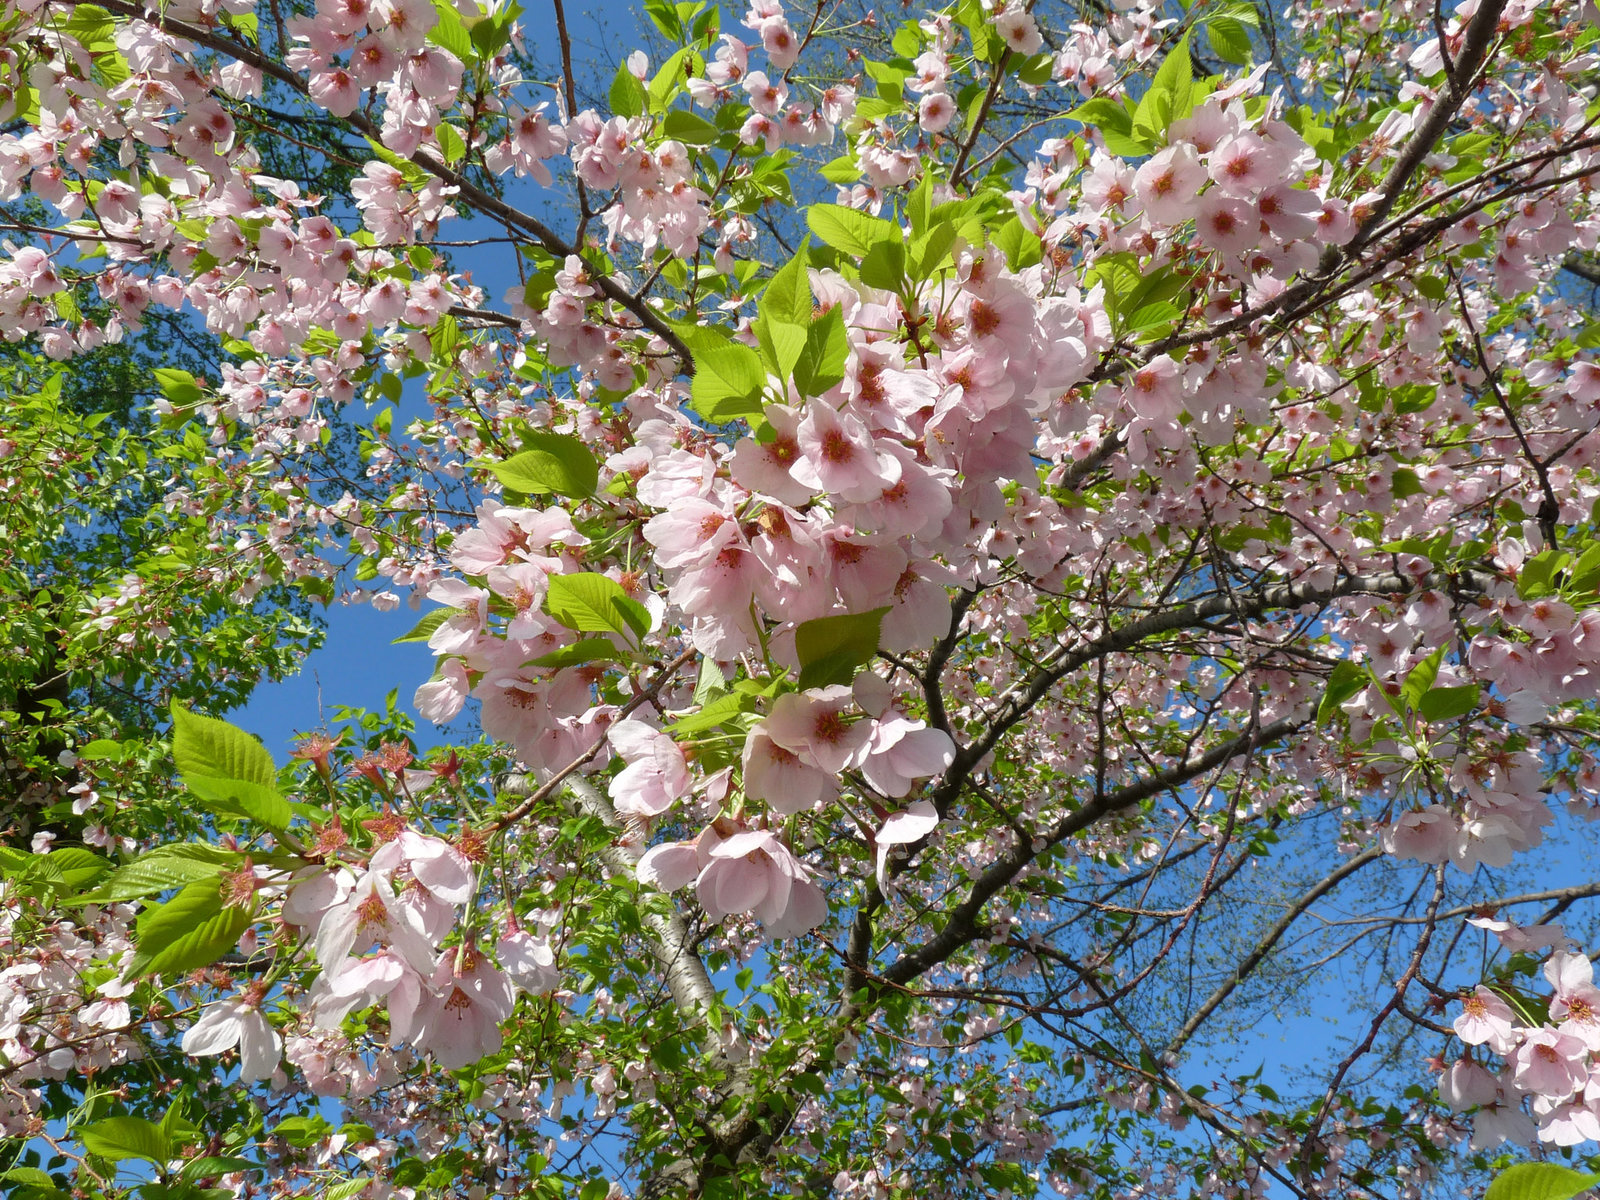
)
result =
(377, 934)
(64, 1009)
(1547, 1082)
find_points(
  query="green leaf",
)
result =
(919, 205)
(668, 81)
(842, 170)
(449, 32)
(346, 1190)
(1346, 680)
(223, 764)
(1404, 483)
(208, 1166)
(1036, 70)
(821, 363)
(30, 1183)
(592, 603)
(1420, 678)
(627, 93)
(190, 931)
(930, 251)
(121, 1138)
(1229, 40)
(689, 128)
(884, 266)
(91, 25)
(831, 649)
(212, 748)
(723, 708)
(451, 144)
(709, 684)
(491, 34)
(1115, 124)
(425, 628)
(782, 344)
(1019, 244)
(552, 462)
(728, 376)
(1539, 1181)
(161, 870)
(78, 867)
(575, 655)
(99, 750)
(1170, 95)
(179, 387)
(846, 229)
(1447, 703)
(1535, 578)
(302, 1131)
(787, 297)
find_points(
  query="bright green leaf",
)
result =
(121, 1138)
(550, 462)
(849, 230)
(689, 128)
(189, 931)
(451, 144)
(161, 870)
(1447, 703)
(1346, 680)
(592, 603)
(822, 362)
(1539, 1181)
(580, 652)
(425, 628)
(222, 763)
(830, 649)
(627, 93)
(1420, 678)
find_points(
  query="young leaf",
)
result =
(821, 363)
(627, 93)
(846, 229)
(179, 387)
(1347, 679)
(121, 1138)
(1539, 1181)
(552, 462)
(451, 144)
(190, 931)
(884, 266)
(1447, 703)
(1229, 40)
(592, 603)
(782, 342)
(728, 376)
(1420, 678)
(425, 628)
(690, 129)
(223, 764)
(580, 652)
(831, 649)
(1115, 124)
(161, 870)
(787, 297)
(449, 32)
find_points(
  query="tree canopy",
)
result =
(980, 561)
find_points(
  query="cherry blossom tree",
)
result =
(973, 560)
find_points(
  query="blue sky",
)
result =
(357, 665)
